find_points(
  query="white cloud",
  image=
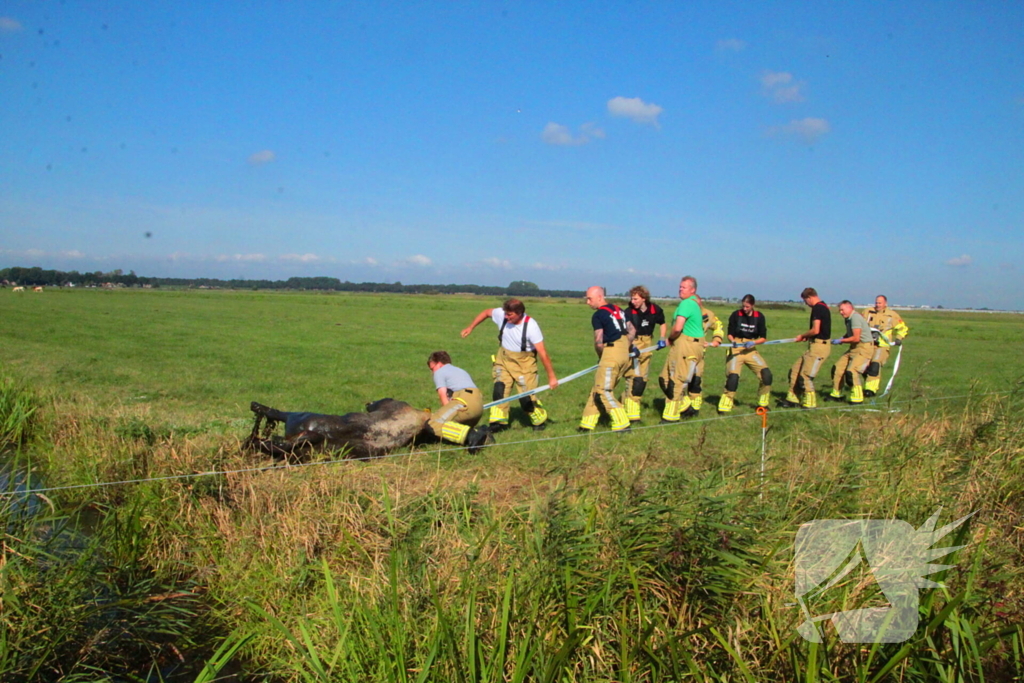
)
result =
(545, 266)
(74, 253)
(9, 25)
(557, 134)
(300, 258)
(592, 130)
(34, 252)
(262, 157)
(369, 261)
(959, 261)
(419, 260)
(730, 45)
(808, 129)
(244, 258)
(495, 262)
(781, 87)
(635, 109)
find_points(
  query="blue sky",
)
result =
(762, 147)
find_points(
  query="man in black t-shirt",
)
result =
(645, 316)
(805, 369)
(612, 337)
(747, 327)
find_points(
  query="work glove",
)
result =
(634, 352)
(749, 345)
(662, 344)
(837, 341)
(897, 342)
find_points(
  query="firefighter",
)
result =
(887, 330)
(515, 365)
(805, 369)
(747, 327)
(852, 365)
(645, 316)
(462, 404)
(612, 339)
(712, 324)
(686, 351)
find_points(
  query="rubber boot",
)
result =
(725, 404)
(632, 407)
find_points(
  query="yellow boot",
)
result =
(632, 409)
(454, 432)
(857, 394)
(725, 404)
(588, 422)
(810, 399)
(620, 422)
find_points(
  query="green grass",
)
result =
(651, 557)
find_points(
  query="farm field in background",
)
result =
(553, 556)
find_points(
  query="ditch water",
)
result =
(124, 622)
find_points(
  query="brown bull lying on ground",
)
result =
(386, 425)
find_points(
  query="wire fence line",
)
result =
(871, 407)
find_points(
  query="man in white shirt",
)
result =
(515, 365)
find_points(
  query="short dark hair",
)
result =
(845, 301)
(644, 293)
(749, 299)
(808, 293)
(514, 306)
(439, 357)
(691, 279)
(883, 296)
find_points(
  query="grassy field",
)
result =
(656, 555)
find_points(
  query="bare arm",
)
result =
(677, 329)
(630, 331)
(443, 395)
(663, 328)
(599, 341)
(813, 332)
(543, 353)
(484, 315)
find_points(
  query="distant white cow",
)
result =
(18, 289)
(37, 289)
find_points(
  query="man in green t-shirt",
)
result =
(686, 351)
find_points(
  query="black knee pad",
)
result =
(498, 393)
(732, 382)
(667, 386)
(848, 378)
(833, 372)
(695, 384)
(639, 385)
(799, 384)
(873, 369)
(766, 377)
(526, 403)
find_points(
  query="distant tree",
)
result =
(523, 288)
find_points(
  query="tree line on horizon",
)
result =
(36, 276)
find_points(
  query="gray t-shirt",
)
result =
(450, 377)
(857, 321)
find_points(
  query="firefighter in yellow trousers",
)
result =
(515, 365)
(852, 365)
(612, 338)
(686, 352)
(645, 316)
(891, 331)
(747, 327)
(711, 324)
(805, 369)
(462, 404)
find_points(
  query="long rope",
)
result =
(587, 371)
(453, 449)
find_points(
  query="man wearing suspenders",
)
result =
(515, 365)
(612, 338)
